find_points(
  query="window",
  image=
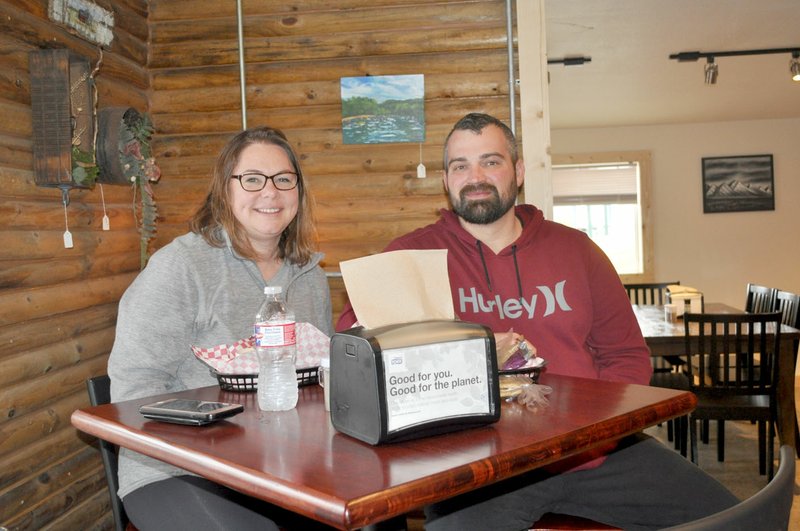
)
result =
(606, 196)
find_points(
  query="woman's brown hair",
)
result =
(297, 243)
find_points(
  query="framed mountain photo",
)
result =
(738, 184)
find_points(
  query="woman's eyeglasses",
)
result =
(255, 181)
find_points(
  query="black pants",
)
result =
(642, 485)
(192, 503)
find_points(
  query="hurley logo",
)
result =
(474, 302)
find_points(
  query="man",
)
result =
(519, 274)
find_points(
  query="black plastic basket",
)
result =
(248, 383)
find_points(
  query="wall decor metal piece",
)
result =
(383, 109)
(739, 183)
(63, 119)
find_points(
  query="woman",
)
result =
(254, 229)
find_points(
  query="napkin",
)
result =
(399, 287)
(675, 289)
(240, 357)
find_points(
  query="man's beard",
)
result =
(484, 211)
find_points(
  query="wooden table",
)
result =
(667, 339)
(297, 460)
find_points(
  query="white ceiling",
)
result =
(631, 80)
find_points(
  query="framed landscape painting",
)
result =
(738, 184)
(383, 109)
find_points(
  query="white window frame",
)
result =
(643, 158)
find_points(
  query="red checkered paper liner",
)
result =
(240, 357)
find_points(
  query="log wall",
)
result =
(178, 59)
(295, 55)
(58, 306)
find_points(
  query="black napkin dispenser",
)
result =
(411, 380)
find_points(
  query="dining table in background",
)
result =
(667, 338)
(297, 460)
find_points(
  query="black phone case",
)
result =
(197, 417)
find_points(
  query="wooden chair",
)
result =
(665, 368)
(654, 293)
(769, 509)
(759, 299)
(562, 522)
(99, 389)
(788, 304)
(733, 370)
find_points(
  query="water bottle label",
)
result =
(275, 334)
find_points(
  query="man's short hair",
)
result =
(477, 122)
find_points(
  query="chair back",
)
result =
(99, 389)
(767, 510)
(653, 294)
(732, 354)
(788, 304)
(759, 299)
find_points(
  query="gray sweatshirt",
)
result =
(191, 293)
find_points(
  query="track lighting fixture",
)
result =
(794, 65)
(570, 61)
(712, 70)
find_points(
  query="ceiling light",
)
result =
(711, 69)
(794, 66)
(711, 72)
(570, 61)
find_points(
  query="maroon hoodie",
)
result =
(553, 285)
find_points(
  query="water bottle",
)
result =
(276, 349)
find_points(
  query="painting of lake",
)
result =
(383, 109)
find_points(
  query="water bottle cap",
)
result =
(272, 290)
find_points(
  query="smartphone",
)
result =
(189, 411)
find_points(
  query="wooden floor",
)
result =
(739, 472)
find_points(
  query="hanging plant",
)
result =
(84, 169)
(125, 156)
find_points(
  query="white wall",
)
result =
(716, 253)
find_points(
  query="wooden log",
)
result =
(21, 305)
(45, 244)
(128, 16)
(15, 153)
(310, 47)
(38, 456)
(27, 429)
(18, 184)
(290, 94)
(407, 216)
(162, 10)
(94, 507)
(444, 111)
(23, 26)
(26, 397)
(65, 502)
(329, 69)
(41, 215)
(32, 273)
(38, 487)
(303, 140)
(14, 76)
(311, 23)
(16, 118)
(37, 333)
(337, 252)
(33, 364)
